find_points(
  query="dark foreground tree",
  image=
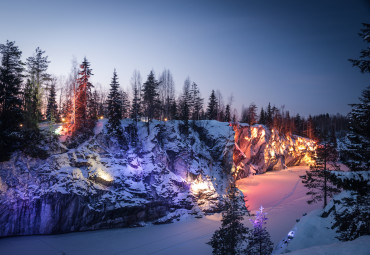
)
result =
(114, 109)
(358, 153)
(317, 179)
(230, 238)
(10, 98)
(259, 240)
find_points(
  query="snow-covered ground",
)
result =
(280, 192)
(283, 196)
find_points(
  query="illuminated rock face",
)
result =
(257, 150)
(99, 184)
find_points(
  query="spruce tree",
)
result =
(10, 97)
(114, 109)
(227, 114)
(358, 137)
(262, 119)
(212, 107)
(259, 240)
(52, 108)
(196, 102)
(83, 92)
(317, 180)
(230, 238)
(150, 98)
(37, 66)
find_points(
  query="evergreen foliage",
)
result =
(259, 240)
(212, 107)
(317, 180)
(37, 66)
(114, 109)
(185, 104)
(150, 98)
(10, 98)
(364, 61)
(52, 108)
(358, 137)
(83, 93)
(227, 114)
(196, 102)
(230, 238)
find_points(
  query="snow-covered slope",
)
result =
(154, 177)
(100, 184)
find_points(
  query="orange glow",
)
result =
(165, 119)
(101, 117)
(21, 125)
(63, 119)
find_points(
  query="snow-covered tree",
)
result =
(114, 109)
(358, 137)
(230, 238)
(259, 240)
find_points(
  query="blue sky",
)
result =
(291, 53)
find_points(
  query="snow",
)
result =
(283, 196)
(280, 193)
(359, 246)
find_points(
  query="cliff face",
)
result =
(154, 177)
(100, 184)
(258, 149)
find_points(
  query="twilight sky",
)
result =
(291, 53)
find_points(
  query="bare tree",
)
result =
(166, 92)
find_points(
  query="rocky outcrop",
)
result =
(258, 149)
(156, 177)
(102, 184)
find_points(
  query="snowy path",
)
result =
(281, 193)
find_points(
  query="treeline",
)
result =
(29, 95)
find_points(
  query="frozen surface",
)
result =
(280, 192)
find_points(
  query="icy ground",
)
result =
(281, 193)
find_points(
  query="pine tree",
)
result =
(262, 119)
(227, 114)
(364, 61)
(150, 98)
(37, 66)
(269, 116)
(317, 180)
(229, 239)
(259, 240)
(52, 108)
(196, 102)
(83, 92)
(358, 137)
(10, 97)
(212, 107)
(114, 109)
